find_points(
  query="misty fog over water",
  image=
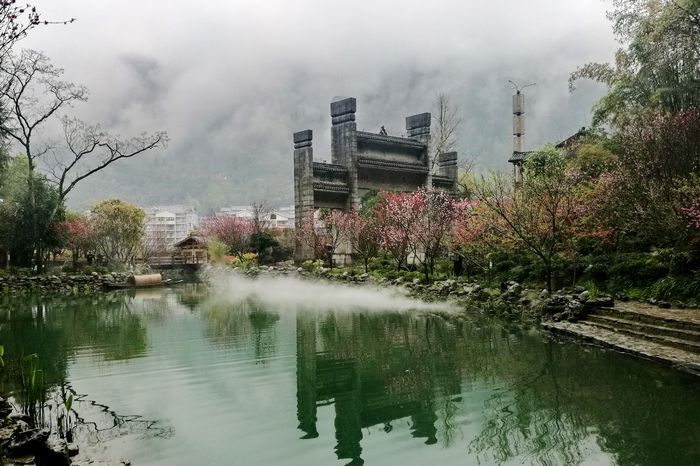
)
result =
(300, 294)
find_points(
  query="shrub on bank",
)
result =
(312, 265)
(667, 288)
(638, 268)
(665, 274)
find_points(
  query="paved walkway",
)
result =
(691, 316)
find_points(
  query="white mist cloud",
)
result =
(280, 293)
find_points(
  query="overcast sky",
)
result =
(232, 80)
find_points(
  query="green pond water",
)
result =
(182, 376)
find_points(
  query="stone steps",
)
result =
(689, 333)
(654, 333)
(663, 335)
(667, 320)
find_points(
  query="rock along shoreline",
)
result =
(61, 283)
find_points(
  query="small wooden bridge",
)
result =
(174, 262)
(190, 253)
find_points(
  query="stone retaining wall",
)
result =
(58, 283)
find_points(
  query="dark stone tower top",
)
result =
(447, 159)
(343, 110)
(418, 125)
(303, 138)
(447, 165)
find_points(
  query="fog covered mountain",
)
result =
(232, 80)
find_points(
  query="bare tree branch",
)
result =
(88, 144)
(16, 20)
(28, 76)
(444, 136)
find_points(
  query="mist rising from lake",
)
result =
(295, 293)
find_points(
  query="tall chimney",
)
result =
(519, 122)
(518, 132)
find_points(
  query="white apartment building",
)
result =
(166, 225)
(238, 211)
(281, 218)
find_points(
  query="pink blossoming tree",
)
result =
(232, 231)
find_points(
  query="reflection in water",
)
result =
(354, 386)
(240, 324)
(376, 369)
(517, 425)
(547, 403)
(55, 330)
(191, 294)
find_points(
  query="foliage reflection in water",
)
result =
(227, 378)
(43, 336)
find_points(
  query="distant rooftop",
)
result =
(519, 156)
(176, 208)
(573, 138)
(565, 144)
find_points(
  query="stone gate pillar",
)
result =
(418, 128)
(447, 163)
(344, 144)
(303, 189)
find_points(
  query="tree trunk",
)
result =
(36, 247)
(39, 258)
